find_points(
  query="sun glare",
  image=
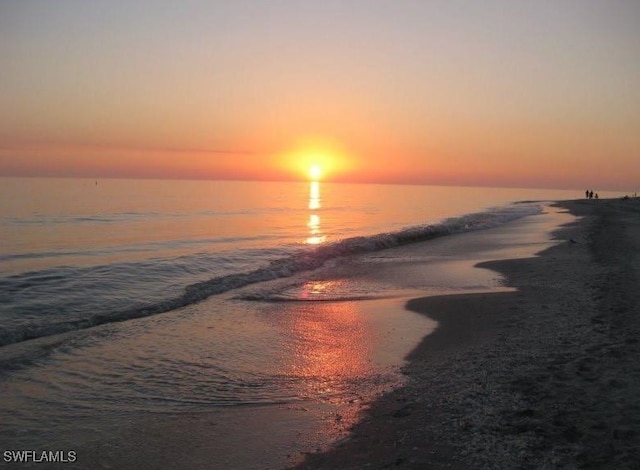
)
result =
(315, 172)
(316, 159)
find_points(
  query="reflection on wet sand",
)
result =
(345, 353)
(331, 350)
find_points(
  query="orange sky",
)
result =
(504, 93)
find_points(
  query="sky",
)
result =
(541, 93)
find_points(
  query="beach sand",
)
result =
(545, 376)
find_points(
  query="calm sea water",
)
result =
(216, 282)
(77, 252)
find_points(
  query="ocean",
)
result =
(124, 299)
(76, 253)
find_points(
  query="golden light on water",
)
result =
(314, 195)
(314, 221)
(315, 235)
(314, 228)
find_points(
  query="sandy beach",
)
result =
(545, 376)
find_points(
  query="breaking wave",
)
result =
(301, 260)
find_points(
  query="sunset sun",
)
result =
(315, 172)
(315, 159)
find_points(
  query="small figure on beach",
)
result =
(586, 194)
(596, 196)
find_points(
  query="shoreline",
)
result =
(476, 391)
(542, 377)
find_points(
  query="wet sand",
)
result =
(546, 376)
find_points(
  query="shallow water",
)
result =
(297, 364)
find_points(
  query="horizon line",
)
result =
(304, 180)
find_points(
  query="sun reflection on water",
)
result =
(315, 235)
(314, 195)
(316, 289)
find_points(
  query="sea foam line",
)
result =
(303, 260)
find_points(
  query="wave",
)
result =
(301, 260)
